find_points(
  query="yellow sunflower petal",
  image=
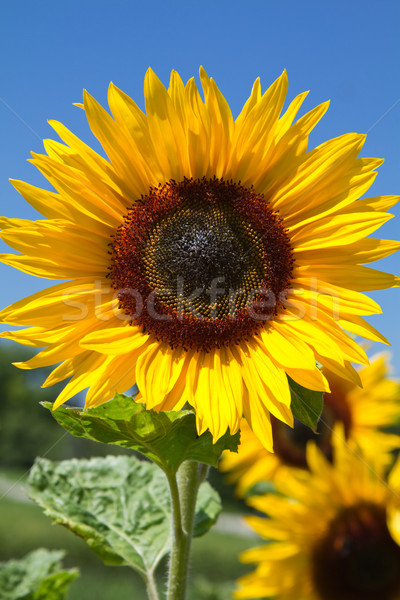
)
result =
(289, 351)
(82, 199)
(188, 194)
(335, 300)
(204, 399)
(310, 379)
(58, 241)
(338, 230)
(85, 369)
(359, 326)
(317, 171)
(165, 128)
(308, 512)
(249, 133)
(345, 371)
(361, 252)
(157, 370)
(116, 375)
(114, 341)
(126, 161)
(353, 277)
(221, 124)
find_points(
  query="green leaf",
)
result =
(208, 509)
(260, 488)
(306, 404)
(38, 576)
(119, 505)
(167, 438)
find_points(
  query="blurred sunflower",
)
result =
(364, 413)
(209, 257)
(334, 532)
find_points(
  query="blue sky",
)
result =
(346, 51)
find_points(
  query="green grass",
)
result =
(23, 528)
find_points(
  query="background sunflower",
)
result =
(333, 531)
(365, 412)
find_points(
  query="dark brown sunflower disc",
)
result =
(201, 263)
(357, 559)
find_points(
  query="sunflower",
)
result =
(207, 258)
(333, 531)
(364, 412)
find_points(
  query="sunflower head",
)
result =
(333, 531)
(365, 413)
(357, 557)
(207, 257)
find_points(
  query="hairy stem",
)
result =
(151, 587)
(184, 489)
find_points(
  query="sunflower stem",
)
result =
(184, 489)
(151, 587)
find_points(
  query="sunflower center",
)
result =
(198, 249)
(201, 263)
(290, 443)
(357, 559)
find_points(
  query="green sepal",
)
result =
(119, 505)
(306, 404)
(37, 576)
(167, 438)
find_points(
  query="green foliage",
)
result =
(208, 508)
(214, 556)
(306, 404)
(119, 505)
(206, 590)
(167, 438)
(260, 488)
(38, 576)
(25, 429)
